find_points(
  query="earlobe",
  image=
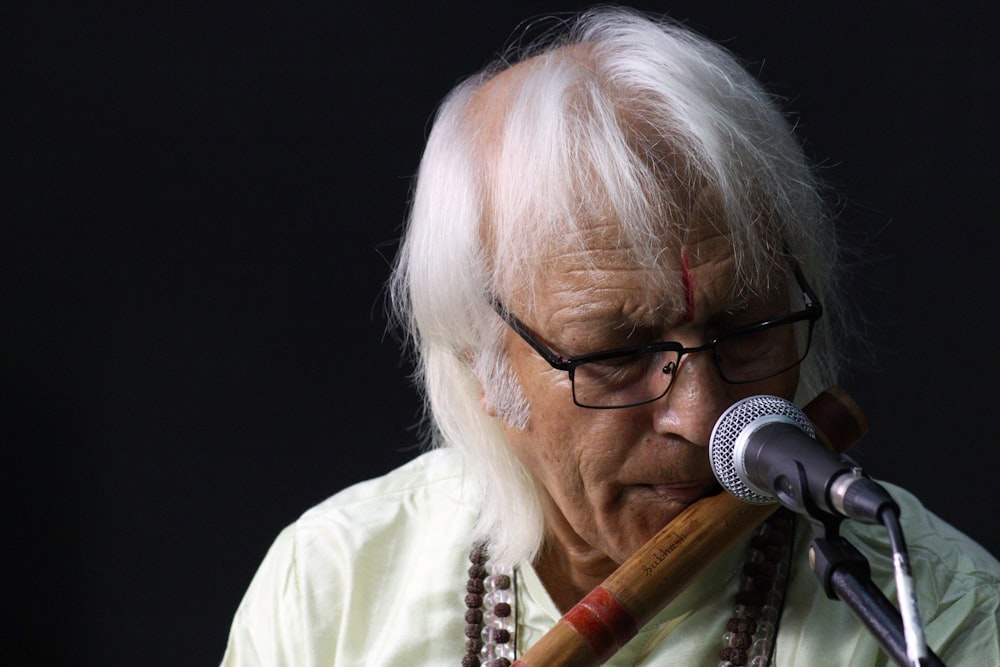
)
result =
(500, 394)
(487, 405)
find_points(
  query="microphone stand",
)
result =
(845, 573)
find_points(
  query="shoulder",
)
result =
(957, 581)
(343, 578)
(417, 508)
(938, 551)
(433, 479)
(957, 587)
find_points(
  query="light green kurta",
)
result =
(376, 576)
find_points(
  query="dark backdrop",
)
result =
(201, 208)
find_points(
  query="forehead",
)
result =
(606, 278)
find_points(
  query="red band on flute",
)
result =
(603, 622)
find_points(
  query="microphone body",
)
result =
(763, 449)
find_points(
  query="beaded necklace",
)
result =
(749, 637)
(489, 615)
(748, 641)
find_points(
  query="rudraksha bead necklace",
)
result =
(489, 615)
(750, 633)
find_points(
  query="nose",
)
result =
(698, 396)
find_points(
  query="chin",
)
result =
(640, 530)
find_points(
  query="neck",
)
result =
(570, 574)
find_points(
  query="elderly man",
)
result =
(614, 237)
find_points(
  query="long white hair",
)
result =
(644, 124)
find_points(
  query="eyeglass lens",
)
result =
(744, 357)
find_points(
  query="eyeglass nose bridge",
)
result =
(673, 367)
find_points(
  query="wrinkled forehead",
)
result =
(663, 248)
(664, 239)
(669, 268)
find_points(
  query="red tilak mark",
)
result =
(603, 622)
(688, 283)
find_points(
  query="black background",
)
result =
(201, 207)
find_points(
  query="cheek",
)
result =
(547, 445)
(572, 451)
(782, 386)
(575, 453)
(550, 446)
(787, 383)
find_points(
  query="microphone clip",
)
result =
(790, 484)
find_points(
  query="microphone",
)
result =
(763, 449)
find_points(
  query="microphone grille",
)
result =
(727, 431)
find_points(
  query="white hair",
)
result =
(617, 116)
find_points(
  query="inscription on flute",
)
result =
(661, 553)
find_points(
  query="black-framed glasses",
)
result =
(628, 376)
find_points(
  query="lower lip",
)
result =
(684, 494)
